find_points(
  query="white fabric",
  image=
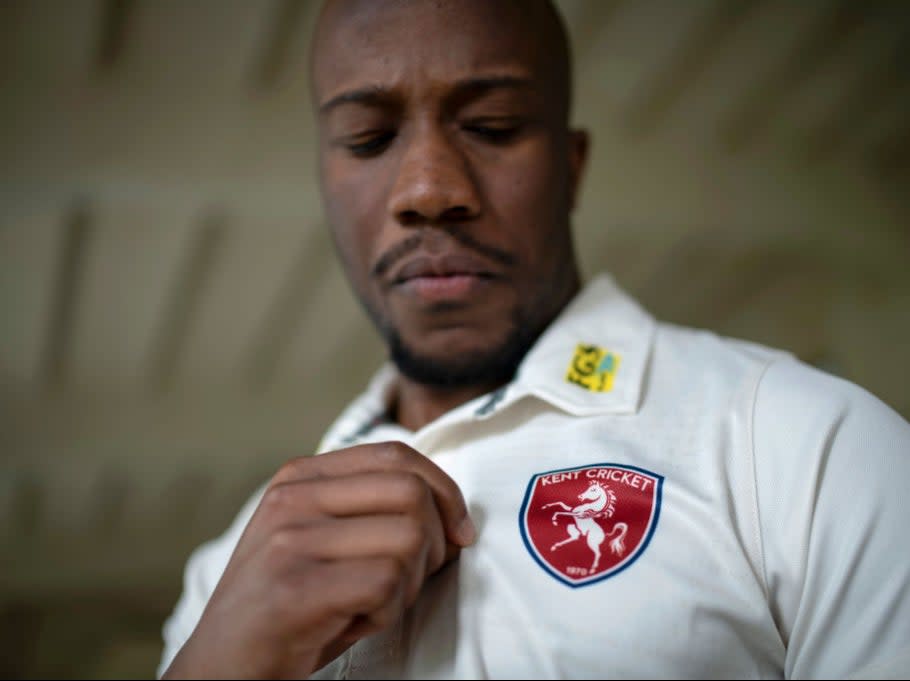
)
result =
(780, 550)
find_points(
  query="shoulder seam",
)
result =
(759, 540)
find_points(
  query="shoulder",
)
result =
(794, 413)
(791, 406)
(719, 373)
(794, 400)
(715, 352)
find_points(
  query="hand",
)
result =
(339, 546)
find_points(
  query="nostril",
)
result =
(456, 213)
(410, 217)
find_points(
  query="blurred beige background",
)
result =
(173, 324)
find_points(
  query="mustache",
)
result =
(414, 242)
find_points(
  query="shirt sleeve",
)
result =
(832, 467)
(200, 576)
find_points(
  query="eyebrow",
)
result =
(376, 95)
(372, 95)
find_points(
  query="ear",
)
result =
(579, 142)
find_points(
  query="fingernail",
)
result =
(466, 531)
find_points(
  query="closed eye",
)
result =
(496, 133)
(371, 144)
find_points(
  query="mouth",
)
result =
(450, 277)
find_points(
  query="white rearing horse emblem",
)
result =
(601, 504)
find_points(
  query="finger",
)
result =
(420, 550)
(374, 493)
(364, 590)
(390, 456)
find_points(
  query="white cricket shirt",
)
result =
(651, 501)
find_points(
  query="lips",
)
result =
(454, 278)
(424, 266)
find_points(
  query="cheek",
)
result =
(343, 196)
(531, 180)
(528, 195)
(353, 205)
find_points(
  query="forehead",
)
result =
(404, 43)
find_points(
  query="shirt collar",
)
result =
(363, 414)
(594, 356)
(601, 318)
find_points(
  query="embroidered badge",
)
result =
(593, 368)
(586, 524)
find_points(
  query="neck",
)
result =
(416, 404)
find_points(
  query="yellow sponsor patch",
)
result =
(593, 368)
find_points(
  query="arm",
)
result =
(833, 476)
(337, 547)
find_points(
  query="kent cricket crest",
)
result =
(583, 525)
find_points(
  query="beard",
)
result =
(493, 365)
(490, 366)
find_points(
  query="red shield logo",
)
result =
(586, 524)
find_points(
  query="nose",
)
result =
(435, 183)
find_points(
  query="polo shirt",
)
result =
(652, 501)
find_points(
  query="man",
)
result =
(545, 482)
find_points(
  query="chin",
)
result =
(454, 360)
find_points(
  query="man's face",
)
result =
(448, 176)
